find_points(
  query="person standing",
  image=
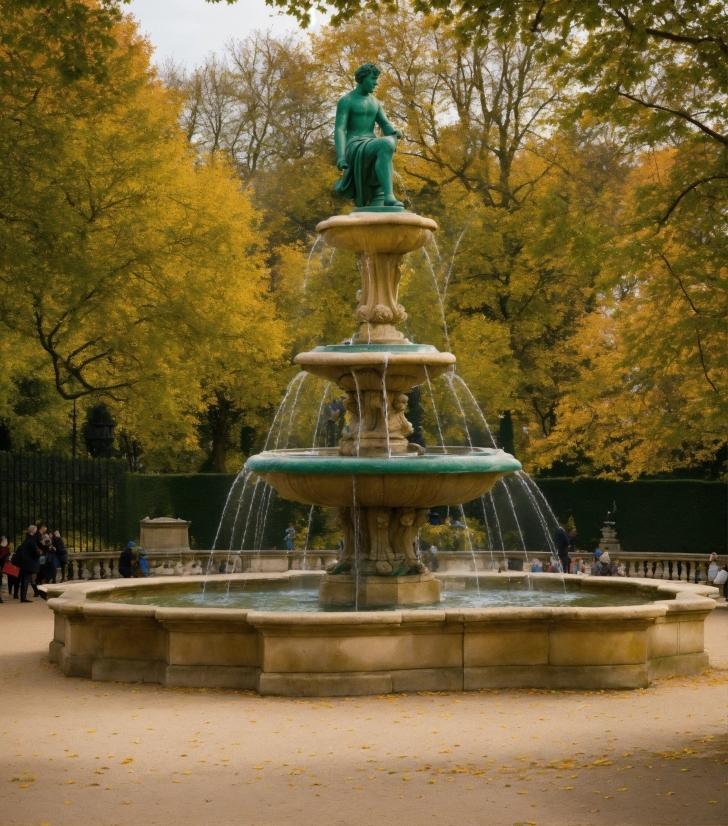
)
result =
(712, 568)
(61, 553)
(336, 411)
(290, 535)
(4, 557)
(127, 559)
(29, 553)
(563, 542)
(14, 581)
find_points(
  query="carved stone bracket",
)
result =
(382, 539)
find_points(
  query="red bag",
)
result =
(11, 570)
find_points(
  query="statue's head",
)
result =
(367, 70)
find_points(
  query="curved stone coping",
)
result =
(88, 598)
(376, 348)
(485, 460)
(359, 219)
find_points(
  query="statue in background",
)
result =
(365, 159)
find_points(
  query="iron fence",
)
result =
(82, 498)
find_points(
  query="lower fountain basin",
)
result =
(438, 477)
(120, 631)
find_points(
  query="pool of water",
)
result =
(305, 598)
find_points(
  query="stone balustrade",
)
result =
(103, 564)
(675, 567)
(95, 565)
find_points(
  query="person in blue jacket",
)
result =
(126, 560)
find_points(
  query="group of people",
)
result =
(36, 561)
(601, 565)
(434, 518)
(718, 577)
(132, 561)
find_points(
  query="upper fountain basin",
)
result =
(416, 362)
(377, 232)
(448, 476)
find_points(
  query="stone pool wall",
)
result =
(378, 652)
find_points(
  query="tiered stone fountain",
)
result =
(163, 629)
(381, 483)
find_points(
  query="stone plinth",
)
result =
(609, 541)
(417, 589)
(164, 534)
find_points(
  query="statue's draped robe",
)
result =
(359, 180)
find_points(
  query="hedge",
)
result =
(660, 515)
(683, 516)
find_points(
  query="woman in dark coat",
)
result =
(61, 553)
(29, 555)
(126, 560)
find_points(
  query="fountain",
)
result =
(374, 622)
(382, 484)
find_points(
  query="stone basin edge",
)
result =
(364, 653)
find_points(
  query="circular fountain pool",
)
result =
(268, 634)
(459, 592)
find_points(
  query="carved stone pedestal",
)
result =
(373, 591)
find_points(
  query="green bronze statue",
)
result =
(365, 159)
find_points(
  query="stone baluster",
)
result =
(102, 568)
(635, 568)
(79, 569)
(112, 574)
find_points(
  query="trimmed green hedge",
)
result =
(198, 497)
(660, 515)
(652, 515)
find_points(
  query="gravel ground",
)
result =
(76, 752)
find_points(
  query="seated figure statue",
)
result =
(365, 159)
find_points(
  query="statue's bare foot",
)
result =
(390, 200)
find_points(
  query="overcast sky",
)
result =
(187, 30)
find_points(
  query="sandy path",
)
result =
(75, 752)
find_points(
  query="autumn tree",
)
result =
(125, 267)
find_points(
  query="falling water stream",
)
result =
(247, 506)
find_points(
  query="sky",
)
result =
(188, 30)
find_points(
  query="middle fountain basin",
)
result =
(322, 477)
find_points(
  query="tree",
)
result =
(124, 264)
(509, 197)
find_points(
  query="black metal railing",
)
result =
(82, 498)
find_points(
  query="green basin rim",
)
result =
(375, 348)
(412, 465)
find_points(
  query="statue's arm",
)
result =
(385, 125)
(342, 120)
